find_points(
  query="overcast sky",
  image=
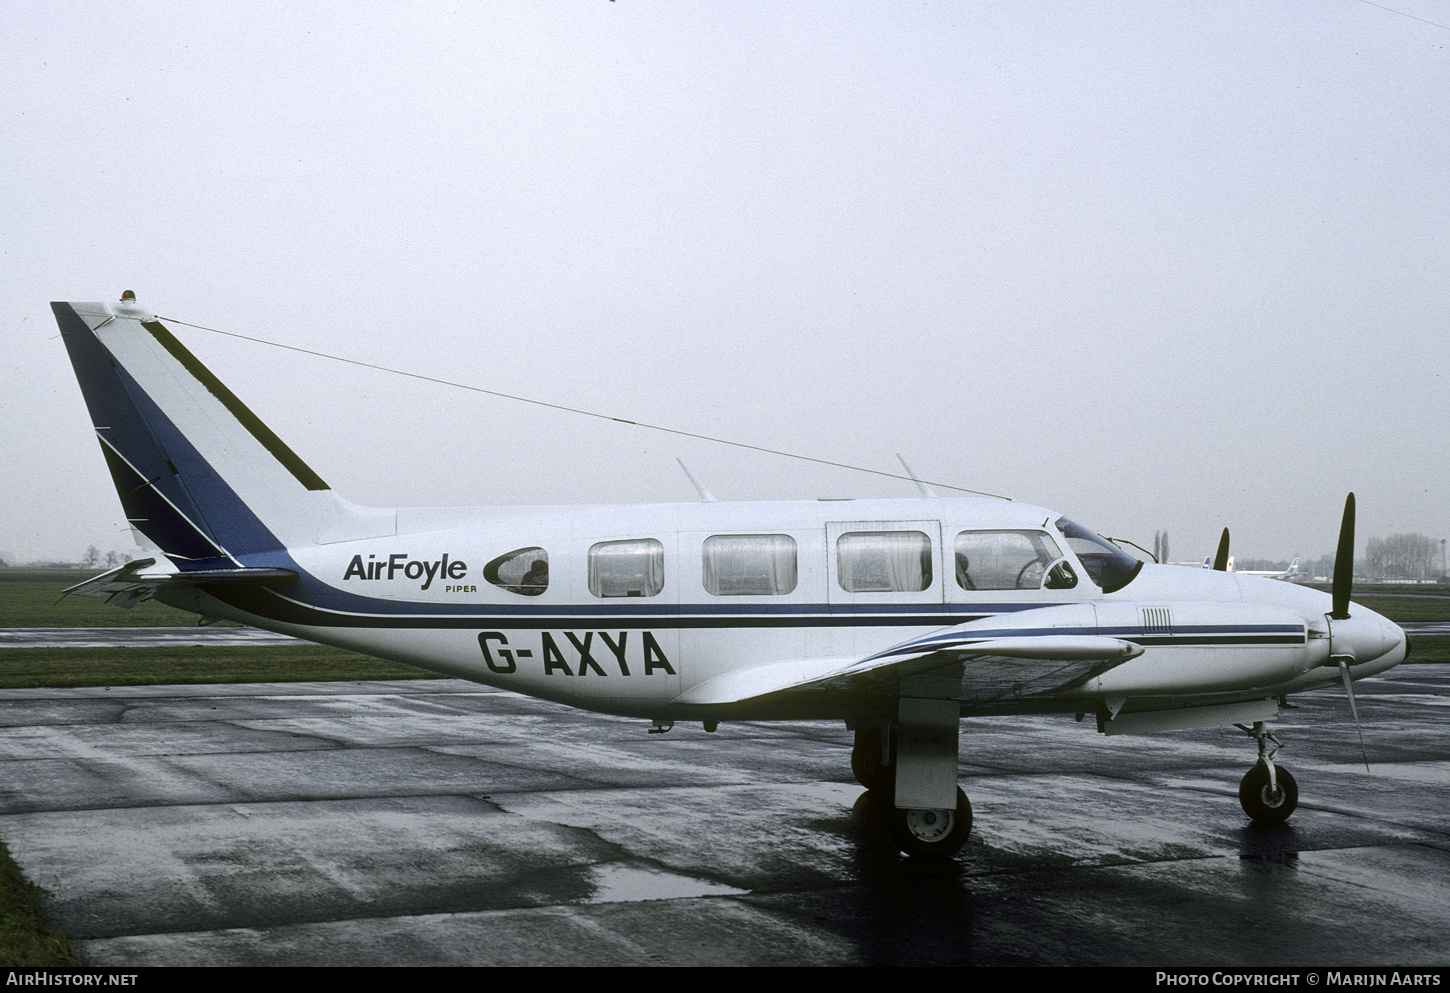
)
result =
(1153, 265)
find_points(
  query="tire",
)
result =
(933, 833)
(1263, 804)
(866, 761)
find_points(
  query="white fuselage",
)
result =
(422, 595)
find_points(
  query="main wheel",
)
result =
(1263, 803)
(866, 763)
(933, 833)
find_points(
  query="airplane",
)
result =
(899, 617)
(1286, 574)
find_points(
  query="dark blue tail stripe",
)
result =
(154, 515)
(162, 480)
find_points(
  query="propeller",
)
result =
(1220, 561)
(1339, 611)
(1344, 563)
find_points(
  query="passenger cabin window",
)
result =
(883, 561)
(749, 564)
(627, 568)
(1010, 560)
(524, 571)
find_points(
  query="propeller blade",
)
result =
(1349, 689)
(1344, 563)
(1220, 561)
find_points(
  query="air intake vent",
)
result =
(1156, 620)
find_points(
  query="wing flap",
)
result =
(973, 670)
(760, 680)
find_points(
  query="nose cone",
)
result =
(1375, 642)
(1397, 645)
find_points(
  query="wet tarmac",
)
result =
(440, 822)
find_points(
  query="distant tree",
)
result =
(1401, 556)
(113, 558)
(92, 557)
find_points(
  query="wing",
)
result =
(976, 663)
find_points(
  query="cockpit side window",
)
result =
(1009, 560)
(627, 568)
(1107, 565)
(524, 571)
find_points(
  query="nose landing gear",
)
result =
(1268, 798)
(1267, 792)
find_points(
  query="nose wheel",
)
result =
(1267, 792)
(1268, 799)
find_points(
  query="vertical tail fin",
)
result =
(197, 472)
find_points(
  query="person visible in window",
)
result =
(536, 580)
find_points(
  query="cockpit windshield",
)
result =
(1107, 565)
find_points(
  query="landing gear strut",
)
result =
(1267, 792)
(873, 759)
(912, 761)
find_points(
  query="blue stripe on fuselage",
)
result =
(313, 603)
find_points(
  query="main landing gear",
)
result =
(933, 833)
(1267, 792)
(873, 759)
(912, 764)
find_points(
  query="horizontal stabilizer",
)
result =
(132, 583)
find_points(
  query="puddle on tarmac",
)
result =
(615, 883)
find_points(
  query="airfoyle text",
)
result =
(409, 568)
(610, 654)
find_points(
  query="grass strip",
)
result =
(1429, 649)
(34, 598)
(29, 668)
(26, 937)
